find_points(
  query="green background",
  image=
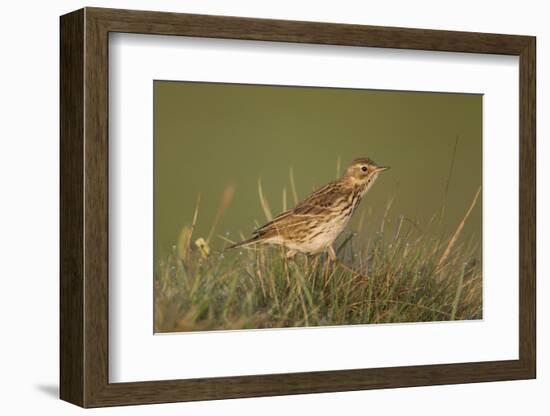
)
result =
(209, 136)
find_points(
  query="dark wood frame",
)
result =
(84, 207)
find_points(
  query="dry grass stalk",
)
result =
(455, 236)
(293, 186)
(193, 223)
(227, 197)
(263, 201)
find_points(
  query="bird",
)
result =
(312, 226)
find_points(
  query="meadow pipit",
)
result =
(314, 223)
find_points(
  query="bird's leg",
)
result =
(287, 256)
(333, 257)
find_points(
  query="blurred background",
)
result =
(218, 140)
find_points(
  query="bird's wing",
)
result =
(321, 200)
(315, 205)
(278, 223)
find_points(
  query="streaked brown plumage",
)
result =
(314, 223)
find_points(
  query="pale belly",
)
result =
(320, 241)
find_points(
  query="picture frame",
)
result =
(84, 216)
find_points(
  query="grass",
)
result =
(412, 277)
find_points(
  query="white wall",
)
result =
(29, 206)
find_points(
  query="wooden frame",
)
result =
(84, 207)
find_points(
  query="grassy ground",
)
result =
(407, 276)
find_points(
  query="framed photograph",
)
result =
(255, 207)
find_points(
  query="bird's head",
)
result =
(363, 171)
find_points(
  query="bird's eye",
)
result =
(364, 169)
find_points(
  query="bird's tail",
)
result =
(244, 243)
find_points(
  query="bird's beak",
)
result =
(382, 168)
